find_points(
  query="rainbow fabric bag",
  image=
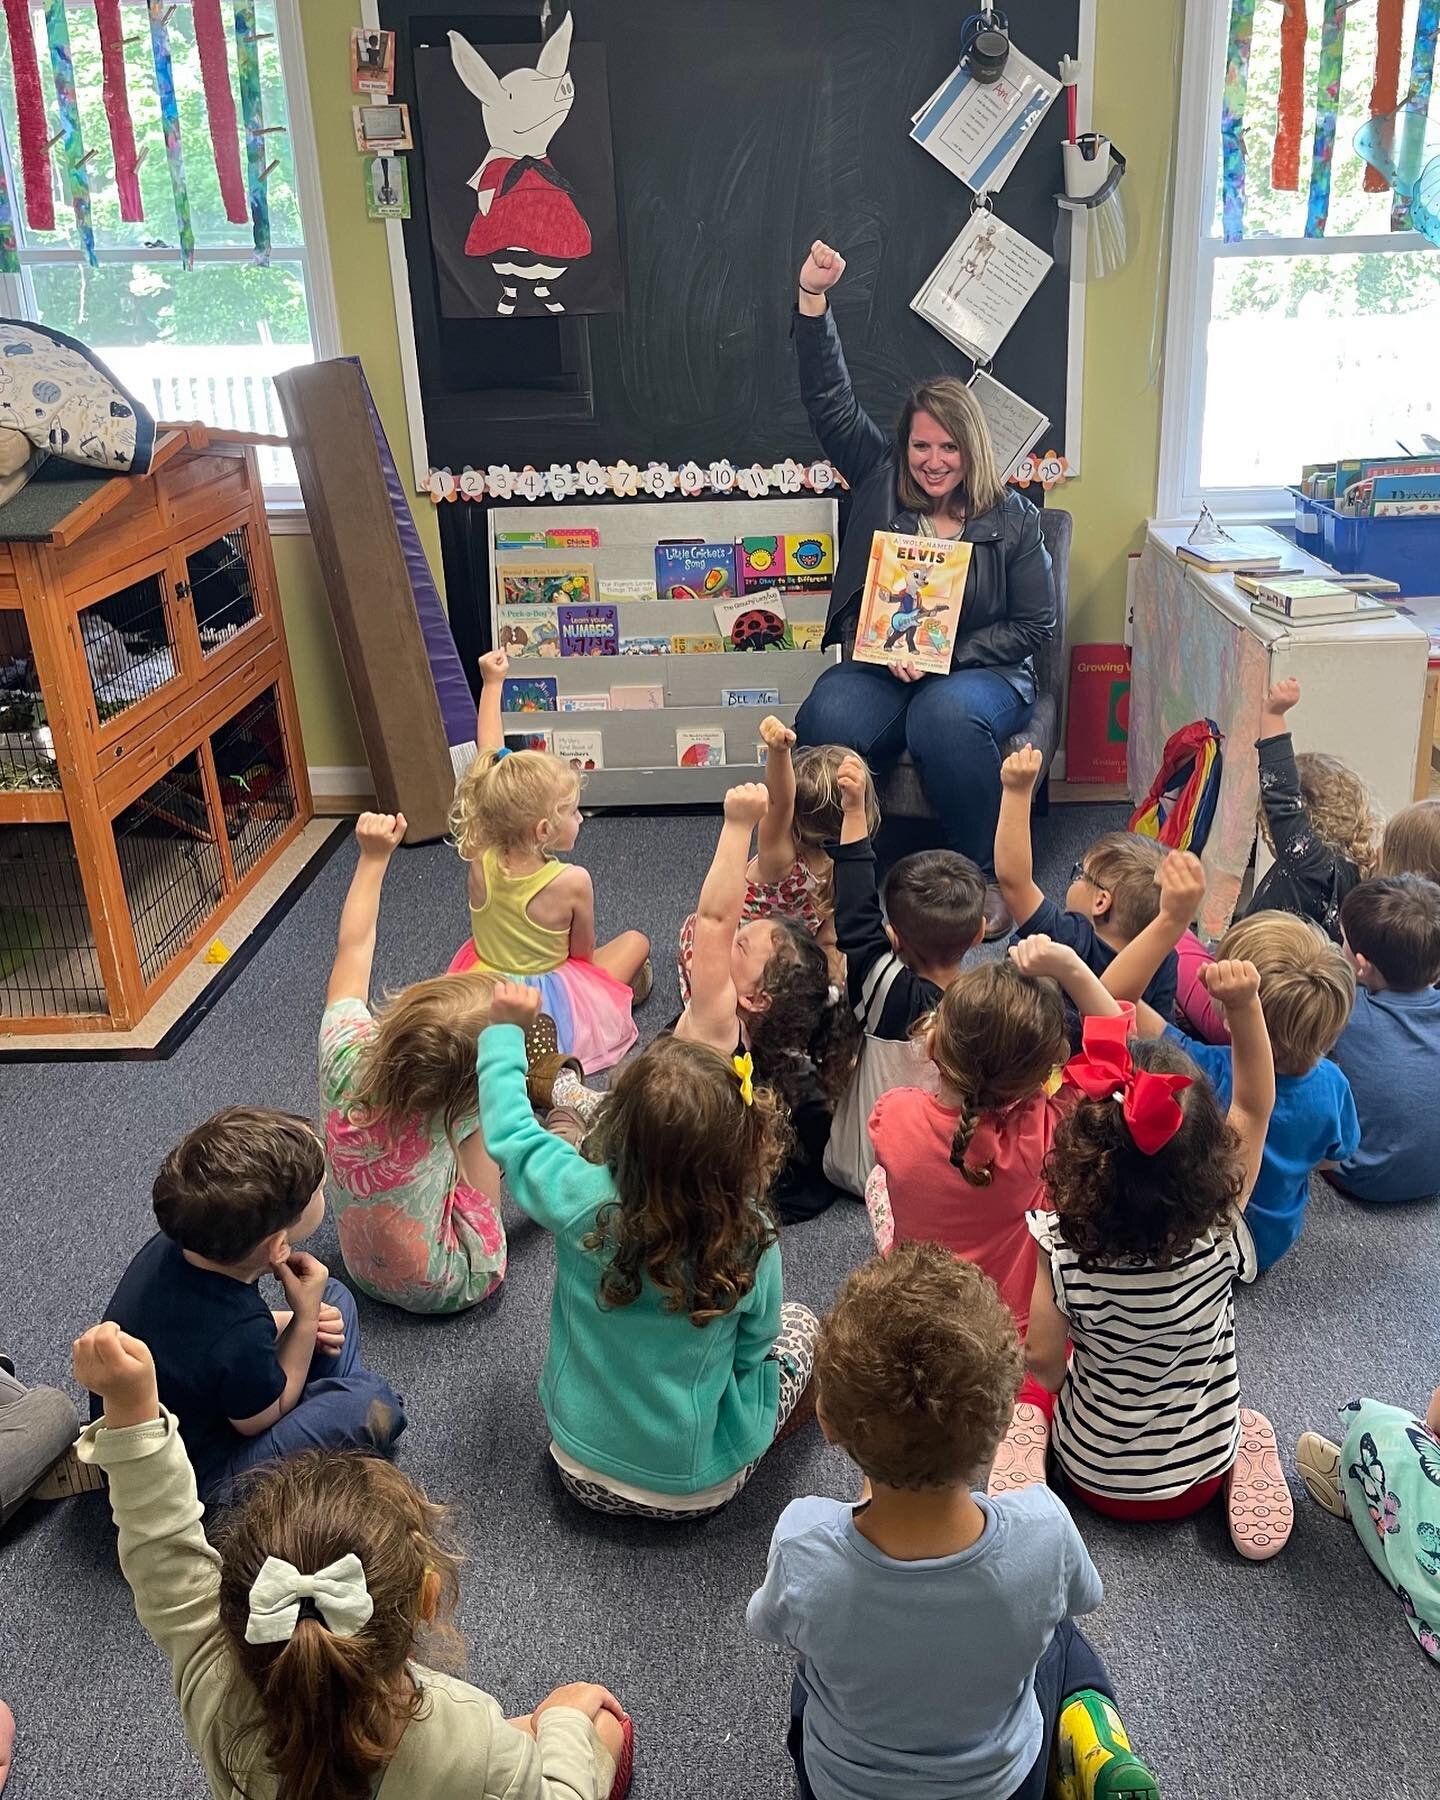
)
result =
(1180, 806)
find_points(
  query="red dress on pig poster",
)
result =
(535, 213)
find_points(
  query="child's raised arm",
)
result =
(378, 835)
(489, 728)
(1014, 865)
(1298, 847)
(1236, 987)
(1041, 955)
(775, 846)
(1181, 881)
(710, 1017)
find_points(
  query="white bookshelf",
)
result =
(639, 747)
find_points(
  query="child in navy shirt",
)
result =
(1111, 898)
(1390, 1050)
(232, 1200)
(934, 1626)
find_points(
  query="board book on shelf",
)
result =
(702, 748)
(1364, 611)
(589, 630)
(529, 740)
(581, 749)
(638, 696)
(572, 703)
(756, 622)
(530, 630)
(910, 609)
(695, 571)
(546, 584)
(528, 693)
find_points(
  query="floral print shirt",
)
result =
(411, 1231)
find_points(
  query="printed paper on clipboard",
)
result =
(979, 130)
(1015, 425)
(981, 285)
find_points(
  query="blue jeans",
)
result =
(1069, 1666)
(335, 1411)
(952, 725)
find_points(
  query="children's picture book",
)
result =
(809, 560)
(528, 693)
(910, 610)
(1241, 547)
(1397, 496)
(749, 696)
(759, 562)
(1303, 596)
(694, 571)
(645, 644)
(530, 630)
(696, 644)
(519, 540)
(581, 749)
(529, 740)
(545, 584)
(756, 622)
(572, 537)
(808, 634)
(589, 630)
(584, 703)
(702, 749)
(627, 587)
(638, 696)
(981, 285)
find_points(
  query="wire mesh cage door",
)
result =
(256, 778)
(50, 966)
(221, 589)
(27, 744)
(128, 641)
(168, 849)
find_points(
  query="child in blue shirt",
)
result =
(934, 1625)
(1390, 1050)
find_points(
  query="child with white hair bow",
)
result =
(291, 1640)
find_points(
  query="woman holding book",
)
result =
(934, 476)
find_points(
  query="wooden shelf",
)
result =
(32, 806)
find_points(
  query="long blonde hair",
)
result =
(946, 398)
(504, 796)
(818, 810)
(421, 1060)
(1340, 807)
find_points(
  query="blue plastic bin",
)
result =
(1405, 549)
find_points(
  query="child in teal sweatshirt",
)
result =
(672, 1364)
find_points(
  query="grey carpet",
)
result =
(1282, 1679)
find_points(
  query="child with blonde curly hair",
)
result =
(532, 917)
(792, 874)
(1411, 845)
(415, 1193)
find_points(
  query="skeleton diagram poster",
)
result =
(520, 177)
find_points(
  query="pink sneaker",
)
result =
(1257, 1497)
(1020, 1460)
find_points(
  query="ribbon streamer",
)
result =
(1285, 164)
(220, 104)
(77, 182)
(247, 66)
(1232, 119)
(170, 120)
(1422, 85)
(1327, 115)
(1385, 95)
(117, 111)
(34, 128)
(9, 249)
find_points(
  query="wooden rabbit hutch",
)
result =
(151, 767)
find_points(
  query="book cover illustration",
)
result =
(528, 693)
(759, 562)
(809, 560)
(530, 631)
(694, 571)
(627, 587)
(572, 537)
(808, 634)
(639, 696)
(546, 584)
(655, 644)
(749, 696)
(589, 630)
(756, 622)
(529, 740)
(581, 749)
(910, 610)
(584, 703)
(703, 643)
(703, 749)
(520, 540)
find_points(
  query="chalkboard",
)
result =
(742, 130)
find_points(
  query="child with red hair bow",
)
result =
(1149, 1181)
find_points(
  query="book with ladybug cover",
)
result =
(759, 562)
(695, 571)
(754, 622)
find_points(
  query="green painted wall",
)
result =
(1136, 101)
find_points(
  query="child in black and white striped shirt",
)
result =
(1138, 1261)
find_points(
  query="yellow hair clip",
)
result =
(744, 1069)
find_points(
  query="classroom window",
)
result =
(201, 343)
(1286, 347)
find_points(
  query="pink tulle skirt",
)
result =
(591, 1009)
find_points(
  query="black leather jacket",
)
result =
(1009, 599)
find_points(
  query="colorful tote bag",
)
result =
(1180, 806)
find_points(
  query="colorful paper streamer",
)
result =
(116, 95)
(170, 121)
(1327, 115)
(1232, 119)
(72, 138)
(210, 41)
(1290, 113)
(1422, 86)
(247, 67)
(9, 248)
(1385, 94)
(34, 127)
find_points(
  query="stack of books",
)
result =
(1309, 600)
(1254, 547)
